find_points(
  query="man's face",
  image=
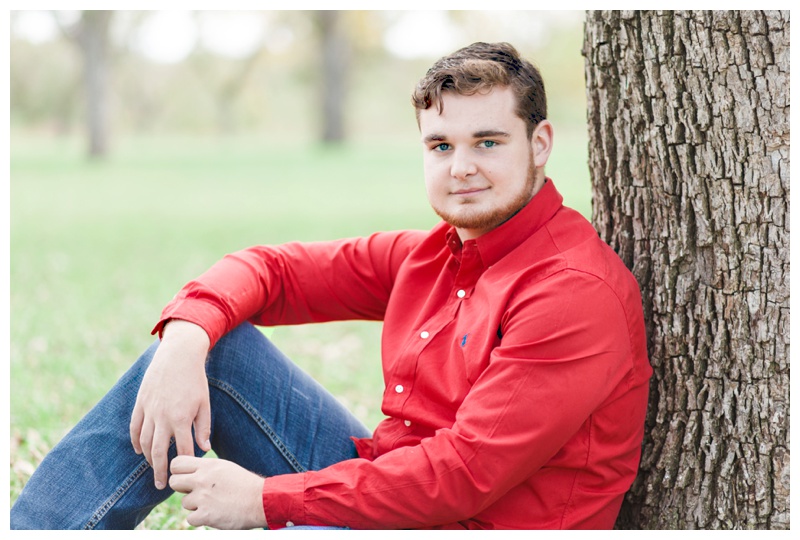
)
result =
(480, 166)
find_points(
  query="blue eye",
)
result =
(442, 147)
(488, 144)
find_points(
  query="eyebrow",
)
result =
(484, 133)
(433, 137)
(490, 133)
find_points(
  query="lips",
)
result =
(469, 191)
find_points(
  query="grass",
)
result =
(98, 248)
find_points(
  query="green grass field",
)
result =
(98, 248)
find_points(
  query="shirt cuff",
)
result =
(364, 447)
(209, 318)
(283, 500)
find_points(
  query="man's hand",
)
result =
(219, 493)
(173, 397)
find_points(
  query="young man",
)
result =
(513, 355)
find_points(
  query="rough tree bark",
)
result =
(688, 117)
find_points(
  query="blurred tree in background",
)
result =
(334, 55)
(91, 33)
(307, 75)
(225, 83)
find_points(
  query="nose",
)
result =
(463, 165)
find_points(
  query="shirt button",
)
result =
(407, 422)
(424, 334)
(461, 293)
(399, 388)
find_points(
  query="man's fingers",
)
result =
(195, 519)
(181, 483)
(202, 427)
(188, 501)
(159, 454)
(146, 441)
(219, 493)
(182, 479)
(136, 428)
(185, 464)
(183, 442)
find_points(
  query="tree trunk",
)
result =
(335, 63)
(93, 40)
(688, 117)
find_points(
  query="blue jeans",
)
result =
(267, 415)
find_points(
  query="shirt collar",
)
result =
(500, 241)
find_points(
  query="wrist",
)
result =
(187, 332)
(257, 514)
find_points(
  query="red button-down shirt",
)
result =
(515, 368)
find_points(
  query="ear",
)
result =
(542, 143)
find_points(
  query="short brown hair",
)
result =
(482, 66)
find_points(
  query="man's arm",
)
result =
(295, 283)
(285, 284)
(172, 398)
(562, 356)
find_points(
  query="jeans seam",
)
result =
(116, 496)
(259, 420)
